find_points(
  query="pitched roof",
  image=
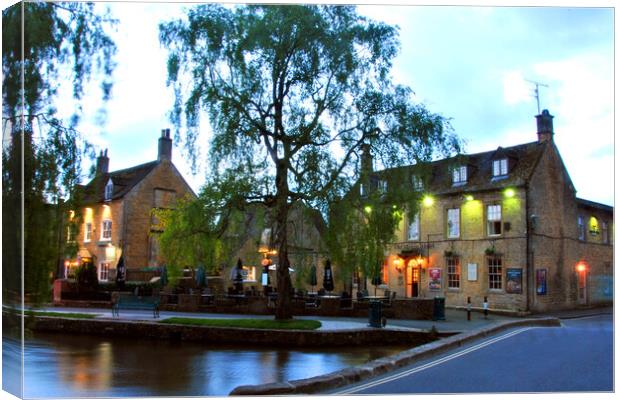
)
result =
(124, 180)
(593, 205)
(522, 160)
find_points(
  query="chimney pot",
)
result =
(165, 146)
(103, 162)
(544, 125)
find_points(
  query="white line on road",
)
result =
(431, 364)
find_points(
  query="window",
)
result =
(106, 230)
(454, 223)
(604, 232)
(454, 272)
(494, 220)
(581, 228)
(109, 188)
(500, 167)
(104, 268)
(459, 175)
(414, 228)
(70, 233)
(417, 183)
(382, 186)
(88, 230)
(495, 273)
(363, 189)
(248, 273)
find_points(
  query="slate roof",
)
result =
(522, 160)
(593, 205)
(124, 180)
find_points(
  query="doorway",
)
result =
(582, 295)
(413, 279)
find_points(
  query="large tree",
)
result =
(292, 93)
(44, 44)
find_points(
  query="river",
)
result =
(72, 366)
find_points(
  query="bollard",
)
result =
(469, 308)
(485, 306)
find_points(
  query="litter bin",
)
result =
(439, 309)
(374, 314)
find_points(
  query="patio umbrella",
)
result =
(163, 276)
(313, 280)
(200, 276)
(376, 279)
(121, 273)
(328, 278)
(238, 280)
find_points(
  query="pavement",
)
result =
(455, 320)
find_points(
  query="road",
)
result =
(576, 357)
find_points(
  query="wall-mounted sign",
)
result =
(541, 282)
(514, 280)
(434, 279)
(472, 272)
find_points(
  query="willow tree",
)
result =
(42, 152)
(292, 93)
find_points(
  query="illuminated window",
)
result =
(109, 188)
(413, 232)
(104, 269)
(88, 230)
(495, 272)
(454, 229)
(459, 175)
(454, 272)
(106, 230)
(494, 220)
(604, 232)
(70, 234)
(500, 167)
(581, 228)
(248, 273)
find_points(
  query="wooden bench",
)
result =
(132, 302)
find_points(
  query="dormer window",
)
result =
(109, 188)
(500, 167)
(459, 175)
(417, 182)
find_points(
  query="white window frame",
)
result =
(581, 228)
(494, 215)
(453, 219)
(382, 186)
(104, 271)
(88, 231)
(363, 189)
(109, 189)
(413, 231)
(70, 234)
(500, 167)
(496, 272)
(417, 183)
(453, 267)
(459, 175)
(106, 234)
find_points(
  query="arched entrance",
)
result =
(413, 278)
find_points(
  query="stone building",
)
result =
(116, 216)
(504, 225)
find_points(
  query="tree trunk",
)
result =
(283, 307)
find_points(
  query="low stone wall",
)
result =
(259, 337)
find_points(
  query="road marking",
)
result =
(432, 363)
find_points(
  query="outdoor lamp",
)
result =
(420, 261)
(398, 264)
(581, 266)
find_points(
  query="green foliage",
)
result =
(298, 324)
(59, 314)
(62, 41)
(283, 87)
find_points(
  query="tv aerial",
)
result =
(537, 92)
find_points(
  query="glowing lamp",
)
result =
(265, 262)
(469, 197)
(428, 201)
(420, 261)
(368, 209)
(398, 263)
(509, 193)
(581, 266)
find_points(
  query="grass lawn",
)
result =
(59, 314)
(302, 324)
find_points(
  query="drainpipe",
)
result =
(528, 256)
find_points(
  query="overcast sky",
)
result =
(470, 64)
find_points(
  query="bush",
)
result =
(87, 280)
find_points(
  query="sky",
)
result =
(469, 64)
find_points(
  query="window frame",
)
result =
(458, 223)
(88, 232)
(108, 190)
(495, 273)
(459, 175)
(502, 167)
(490, 222)
(417, 183)
(104, 272)
(104, 230)
(581, 228)
(416, 221)
(453, 272)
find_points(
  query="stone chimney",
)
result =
(102, 162)
(366, 160)
(544, 124)
(165, 146)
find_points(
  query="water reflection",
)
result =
(85, 366)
